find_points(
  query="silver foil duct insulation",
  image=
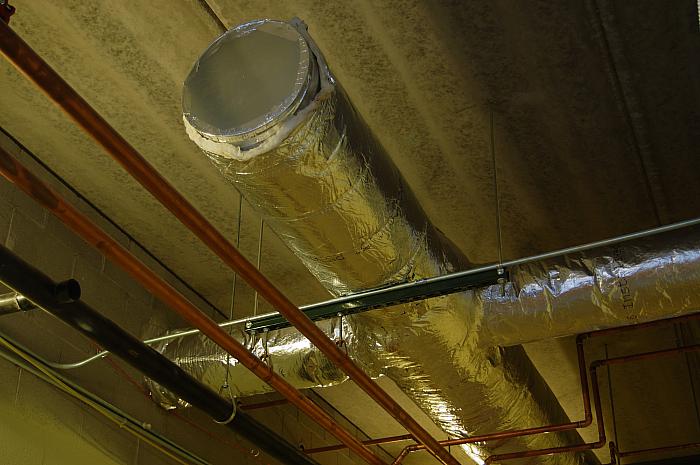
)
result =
(328, 189)
(633, 282)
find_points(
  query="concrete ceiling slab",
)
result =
(594, 107)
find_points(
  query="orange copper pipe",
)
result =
(642, 326)
(645, 356)
(575, 448)
(588, 418)
(690, 445)
(370, 442)
(584, 392)
(402, 455)
(261, 405)
(39, 191)
(598, 409)
(36, 69)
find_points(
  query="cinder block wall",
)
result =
(40, 424)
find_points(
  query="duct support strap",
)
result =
(331, 193)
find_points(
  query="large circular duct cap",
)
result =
(248, 81)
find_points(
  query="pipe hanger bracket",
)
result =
(6, 10)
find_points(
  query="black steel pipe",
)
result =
(59, 300)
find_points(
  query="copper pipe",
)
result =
(638, 326)
(37, 70)
(690, 445)
(501, 436)
(613, 453)
(261, 405)
(370, 442)
(541, 452)
(39, 191)
(645, 356)
(584, 391)
(598, 409)
(575, 448)
(616, 455)
(588, 418)
(402, 455)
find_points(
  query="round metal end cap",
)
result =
(249, 80)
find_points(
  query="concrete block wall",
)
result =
(41, 425)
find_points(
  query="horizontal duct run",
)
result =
(324, 184)
(633, 282)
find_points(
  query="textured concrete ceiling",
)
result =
(595, 107)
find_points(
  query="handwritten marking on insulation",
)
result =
(624, 285)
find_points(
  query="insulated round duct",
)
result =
(328, 189)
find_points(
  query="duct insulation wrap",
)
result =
(634, 282)
(327, 188)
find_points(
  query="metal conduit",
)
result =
(15, 353)
(35, 188)
(38, 287)
(36, 69)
